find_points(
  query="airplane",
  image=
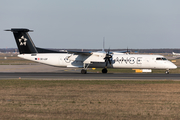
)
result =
(85, 60)
(175, 53)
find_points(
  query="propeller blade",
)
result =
(103, 43)
(106, 61)
(128, 51)
(108, 51)
(109, 61)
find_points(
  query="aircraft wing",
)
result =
(80, 52)
(87, 57)
(42, 50)
(90, 53)
(125, 51)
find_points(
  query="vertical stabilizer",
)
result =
(23, 40)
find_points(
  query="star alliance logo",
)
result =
(22, 41)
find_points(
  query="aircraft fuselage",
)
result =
(118, 61)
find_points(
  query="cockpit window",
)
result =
(161, 59)
(164, 58)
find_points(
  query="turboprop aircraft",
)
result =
(84, 60)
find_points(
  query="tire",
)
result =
(83, 71)
(167, 72)
(104, 70)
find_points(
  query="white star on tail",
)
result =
(23, 41)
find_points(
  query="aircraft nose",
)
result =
(173, 66)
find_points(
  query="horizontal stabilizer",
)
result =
(19, 30)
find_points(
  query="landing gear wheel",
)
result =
(83, 71)
(104, 70)
(167, 72)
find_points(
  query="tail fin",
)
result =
(23, 40)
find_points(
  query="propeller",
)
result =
(108, 58)
(128, 52)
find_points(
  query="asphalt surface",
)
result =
(45, 72)
(89, 76)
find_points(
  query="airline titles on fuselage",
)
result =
(130, 60)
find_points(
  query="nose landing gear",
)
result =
(167, 71)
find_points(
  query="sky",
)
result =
(82, 24)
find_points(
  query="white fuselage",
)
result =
(133, 61)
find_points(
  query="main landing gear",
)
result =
(104, 70)
(84, 70)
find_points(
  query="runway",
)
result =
(89, 76)
(44, 72)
